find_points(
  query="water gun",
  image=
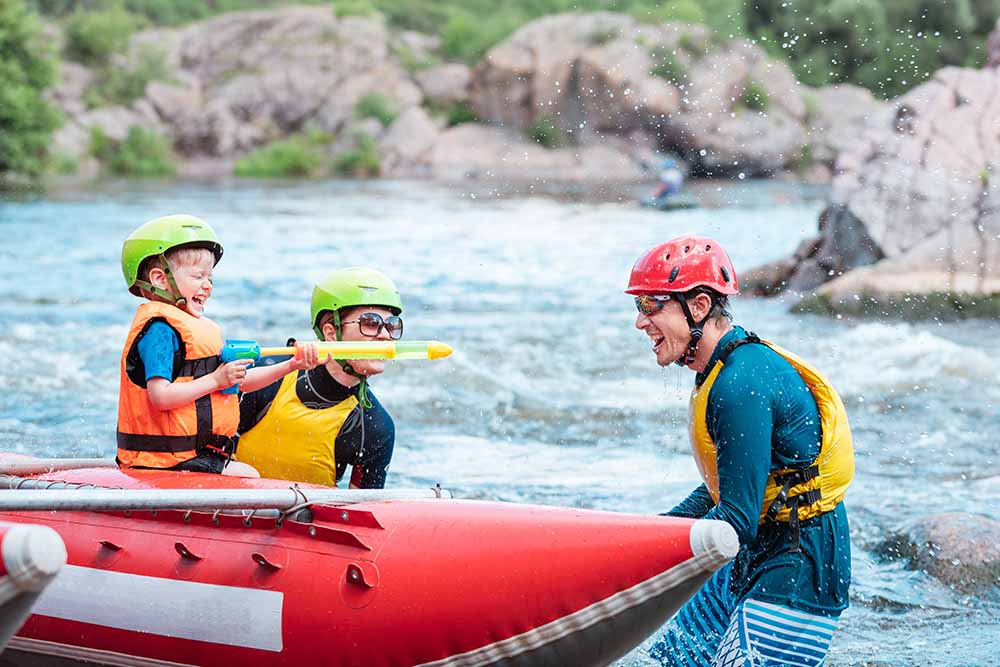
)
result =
(375, 349)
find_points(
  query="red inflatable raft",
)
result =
(376, 583)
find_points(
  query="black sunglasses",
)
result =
(371, 325)
(650, 305)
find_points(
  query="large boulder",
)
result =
(961, 550)
(476, 151)
(244, 79)
(837, 116)
(445, 84)
(727, 108)
(406, 141)
(993, 47)
(913, 226)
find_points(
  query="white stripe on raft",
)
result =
(167, 607)
(714, 543)
(91, 655)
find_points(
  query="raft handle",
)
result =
(107, 544)
(186, 553)
(356, 576)
(262, 560)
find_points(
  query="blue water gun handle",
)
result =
(238, 349)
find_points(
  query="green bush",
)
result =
(666, 66)
(354, 8)
(467, 37)
(694, 45)
(755, 96)
(545, 133)
(362, 162)
(411, 62)
(602, 36)
(888, 47)
(298, 156)
(687, 11)
(813, 106)
(377, 106)
(460, 112)
(92, 37)
(142, 154)
(164, 12)
(63, 165)
(124, 85)
(27, 68)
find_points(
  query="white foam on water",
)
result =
(877, 358)
(642, 394)
(480, 462)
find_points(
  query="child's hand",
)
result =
(232, 373)
(306, 357)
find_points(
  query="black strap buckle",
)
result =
(787, 481)
(222, 445)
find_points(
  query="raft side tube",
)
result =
(32, 556)
(607, 630)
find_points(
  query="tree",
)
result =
(888, 47)
(27, 68)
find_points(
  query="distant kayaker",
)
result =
(671, 180)
(772, 442)
(171, 412)
(310, 426)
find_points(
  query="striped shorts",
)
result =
(715, 630)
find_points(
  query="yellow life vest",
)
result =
(792, 494)
(152, 438)
(293, 441)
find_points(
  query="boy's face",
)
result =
(192, 272)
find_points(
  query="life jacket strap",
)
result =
(172, 444)
(788, 480)
(222, 445)
(196, 368)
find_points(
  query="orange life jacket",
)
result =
(152, 438)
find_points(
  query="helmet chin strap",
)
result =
(697, 331)
(363, 399)
(173, 296)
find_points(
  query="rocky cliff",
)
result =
(913, 225)
(605, 91)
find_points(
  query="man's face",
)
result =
(662, 319)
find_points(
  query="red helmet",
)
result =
(681, 265)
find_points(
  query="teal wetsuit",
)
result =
(762, 417)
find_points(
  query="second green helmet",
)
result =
(160, 235)
(356, 286)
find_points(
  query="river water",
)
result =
(552, 396)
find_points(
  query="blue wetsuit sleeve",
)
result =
(695, 506)
(741, 422)
(156, 349)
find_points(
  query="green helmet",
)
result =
(160, 235)
(356, 286)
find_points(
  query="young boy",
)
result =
(171, 412)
